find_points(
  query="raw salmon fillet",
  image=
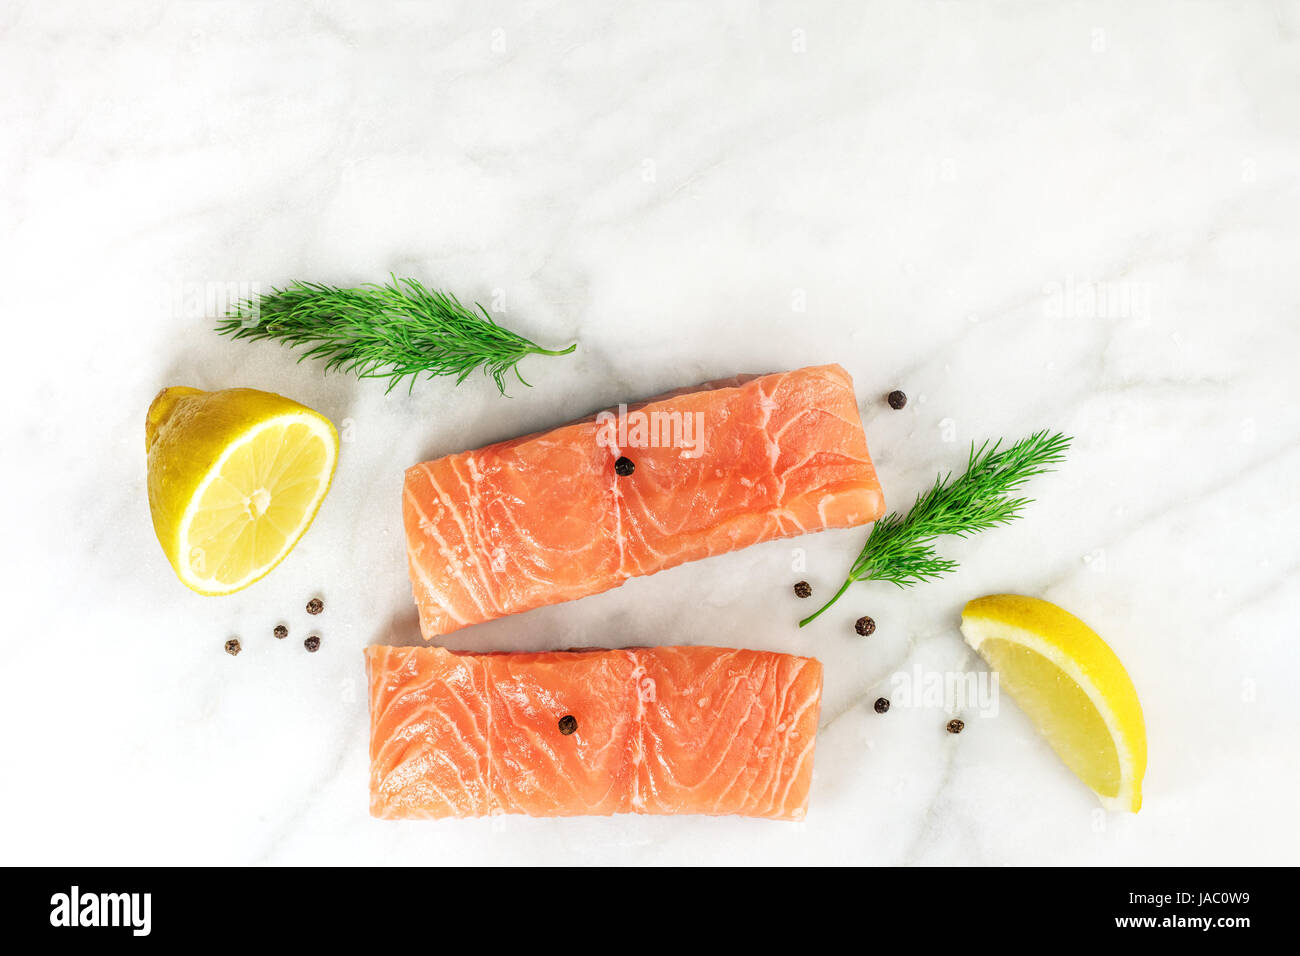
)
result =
(546, 518)
(655, 730)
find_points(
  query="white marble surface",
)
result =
(931, 194)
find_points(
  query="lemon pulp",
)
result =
(251, 511)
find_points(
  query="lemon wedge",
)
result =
(1071, 685)
(235, 478)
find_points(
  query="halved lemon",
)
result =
(1071, 685)
(235, 479)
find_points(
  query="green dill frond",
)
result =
(397, 330)
(900, 549)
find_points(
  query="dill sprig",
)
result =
(900, 548)
(391, 331)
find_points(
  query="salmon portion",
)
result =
(545, 518)
(655, 730)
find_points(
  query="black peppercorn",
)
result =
(312, 643)
(956, 726)
(624, 466)
(568, 724)
(803, 589)
(865, 626)
(882, 705)
(281, 631)
(315, 606)
(897, 399)
(232, 646)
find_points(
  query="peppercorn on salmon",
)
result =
(559, 515)
(653, 730)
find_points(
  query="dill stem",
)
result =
(817, 613)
